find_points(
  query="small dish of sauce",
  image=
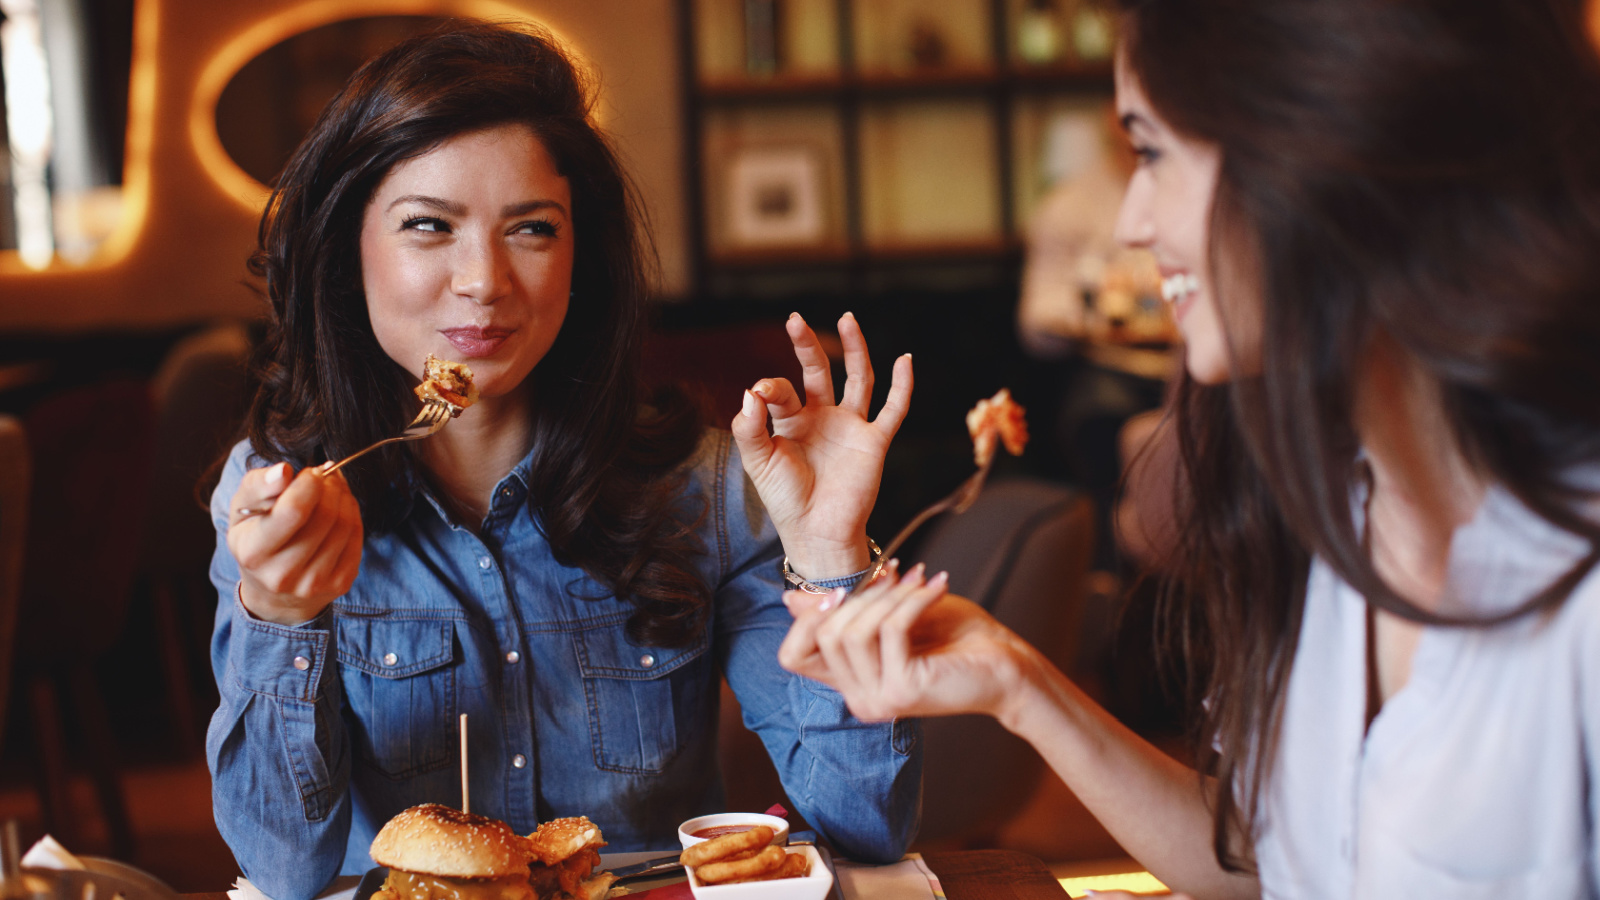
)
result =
(720, 830)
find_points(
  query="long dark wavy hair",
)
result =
(607, 471)
(1422, 172)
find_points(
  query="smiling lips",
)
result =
(474, 342)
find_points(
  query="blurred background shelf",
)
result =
(870, 133)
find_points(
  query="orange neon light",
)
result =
(251, 41)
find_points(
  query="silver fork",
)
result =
(959, 501)
(432, 418)
(428, 422)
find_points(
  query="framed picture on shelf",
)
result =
(775, 196)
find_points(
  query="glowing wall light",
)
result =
(31, 128)
(255, 39)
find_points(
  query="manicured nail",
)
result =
(834, 598)
(916, 571)
(763, 386)
(906, 356)
(848, 315)
(276, 474)
(750, 404)
(939, 580)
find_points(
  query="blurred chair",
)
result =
(15, 477)
(1022, 552)
(91, 450)
(200, 394)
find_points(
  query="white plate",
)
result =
(814, 886)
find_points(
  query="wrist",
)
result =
(1026, 688)
(262, 605)
(826, 560)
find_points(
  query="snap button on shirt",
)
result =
(513, 657)
(390, 659)
(301, 663)
(485, 562)
(647, 660)
(519, 761)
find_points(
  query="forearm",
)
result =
(1156, 807)
(858, 783)
(277, 753)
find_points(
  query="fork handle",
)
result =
(328, 468)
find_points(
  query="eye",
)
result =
(1146, 154)
(539, 228)
(425, 223)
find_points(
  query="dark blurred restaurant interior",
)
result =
(936, 167)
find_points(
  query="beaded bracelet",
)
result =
(795, 581)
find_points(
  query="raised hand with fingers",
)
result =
(303, 552)
(819, 467)
(904, 647)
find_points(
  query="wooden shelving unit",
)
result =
(880, 127)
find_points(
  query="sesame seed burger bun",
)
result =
(437, 840)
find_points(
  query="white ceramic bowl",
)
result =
(813, 886)
(780, 827)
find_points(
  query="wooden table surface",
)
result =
(964, 874)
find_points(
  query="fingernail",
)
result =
(907, 356)
(275, 475)
(939, 580)
(763, 386)
(834, 598)
(795, 315)
(750, 404)
(894, 567)
(848, 315)
(916, 571)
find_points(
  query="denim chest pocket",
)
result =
(642, 701)
(399, 690)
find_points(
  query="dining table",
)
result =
(963, 875)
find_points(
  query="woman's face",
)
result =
(1167, 210)
(466, 253)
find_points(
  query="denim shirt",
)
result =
(327, 729)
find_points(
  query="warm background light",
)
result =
(186, 219)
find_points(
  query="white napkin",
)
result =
(47, 853)
(343, 888)
(908, 879)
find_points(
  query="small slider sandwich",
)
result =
(448, 381)
(434, 852)
(566, 852)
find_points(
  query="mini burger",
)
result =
(566, 852)
(435, 852)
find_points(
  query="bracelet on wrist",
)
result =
(800, 584)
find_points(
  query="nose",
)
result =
(1135, 225)
(482, 272)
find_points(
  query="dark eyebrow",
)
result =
(454, 209)
(522, 209)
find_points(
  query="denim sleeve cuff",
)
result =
(845, 581)
(281, 661)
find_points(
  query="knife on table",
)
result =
(658, 866)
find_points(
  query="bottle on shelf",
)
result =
(763, 45)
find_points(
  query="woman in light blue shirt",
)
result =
(1379, 225)
(570, 563)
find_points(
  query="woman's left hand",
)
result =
(819, 469)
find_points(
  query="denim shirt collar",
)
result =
(518, 479)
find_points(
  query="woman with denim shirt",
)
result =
(569, 563)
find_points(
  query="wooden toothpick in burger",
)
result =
(466, 805)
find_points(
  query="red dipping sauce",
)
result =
(720, 830)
